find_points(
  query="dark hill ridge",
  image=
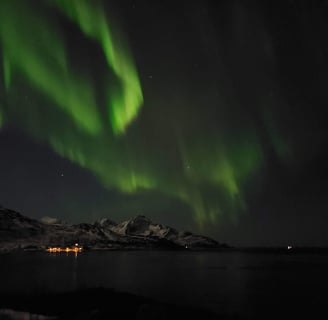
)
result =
(21, 232)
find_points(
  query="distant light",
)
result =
(74, 249)
(289, 247)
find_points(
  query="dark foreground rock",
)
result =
(21, 232)
(94, 304)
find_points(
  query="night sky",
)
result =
(208, 116)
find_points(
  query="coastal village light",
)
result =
(75, 249)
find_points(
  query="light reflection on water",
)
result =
(223, 282)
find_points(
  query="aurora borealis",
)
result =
(34, 38)
(205, 111)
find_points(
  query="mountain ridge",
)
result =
(21, 232)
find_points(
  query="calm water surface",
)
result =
(228, 282)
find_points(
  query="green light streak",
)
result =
(6, 72)
(110, 166)
(226, 166)
(124, 105)
(34, 49)
(1, 119)
(281, 147)
(205, 171)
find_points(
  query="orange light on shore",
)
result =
(66, 249)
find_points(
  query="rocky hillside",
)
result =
(20, 232)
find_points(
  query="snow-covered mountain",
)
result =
(21, 232)
(141, 226)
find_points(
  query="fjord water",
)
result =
(236, 283)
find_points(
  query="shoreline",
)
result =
(223, 249)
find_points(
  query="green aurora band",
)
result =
(1, 119)
(27, 50)
(124, 105)
(66, 112)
